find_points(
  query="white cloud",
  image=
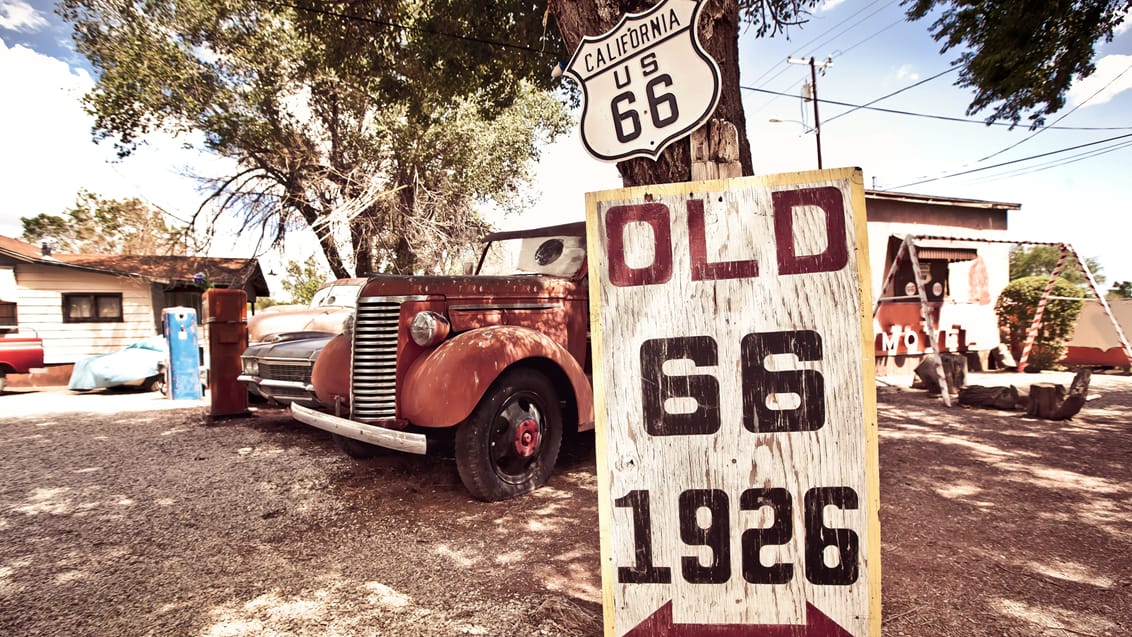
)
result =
(44, 129)
(1113, 76)
(17, 15)
(1123, 27)
(830, 5)
(908, 73)
(49, 154)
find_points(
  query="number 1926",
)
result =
(820, 540)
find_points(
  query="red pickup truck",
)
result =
(491, 367)
(18, 355)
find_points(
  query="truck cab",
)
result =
(493, 365)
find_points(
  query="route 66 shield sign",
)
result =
(646, 83)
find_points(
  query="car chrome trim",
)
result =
(513, 306)
(393, 299)
(379, 436)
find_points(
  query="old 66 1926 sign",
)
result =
(647, 83)
(737, 452)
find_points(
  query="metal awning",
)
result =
(932, 253)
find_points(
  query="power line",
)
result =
(1067, 114)
(1054, 164)
(897, 92)
(817, 40)
(1014, 161)
(937, 117)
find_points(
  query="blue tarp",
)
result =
(135, 363)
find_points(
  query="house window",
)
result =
(92, 308)
(9, 320)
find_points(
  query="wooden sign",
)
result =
(736, 411)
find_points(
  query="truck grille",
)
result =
(374, 376)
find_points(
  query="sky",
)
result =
(1077, 196)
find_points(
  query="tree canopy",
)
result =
(378, 123)
(303, 280)
(1040, 260)
(1016, 307)
(1021, 57)
(1120, 290)
(382, 124)
(95, 225)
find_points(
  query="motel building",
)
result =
(962, 278)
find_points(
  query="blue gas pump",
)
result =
(180, 325)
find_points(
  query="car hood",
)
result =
(329, 319)
(301, 349)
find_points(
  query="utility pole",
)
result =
(814, 66)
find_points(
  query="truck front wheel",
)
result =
(509, 445)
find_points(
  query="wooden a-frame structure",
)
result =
(908, 247)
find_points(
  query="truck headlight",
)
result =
(428, 328)
(251, 366)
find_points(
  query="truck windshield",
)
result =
(339, 295)
(553, 256)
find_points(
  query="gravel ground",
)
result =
(128, 514)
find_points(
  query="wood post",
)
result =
(715, 151)
(1048, 401)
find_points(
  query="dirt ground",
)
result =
(127, 514)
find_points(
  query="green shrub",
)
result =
(1015, 309)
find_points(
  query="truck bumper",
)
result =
(379, 436)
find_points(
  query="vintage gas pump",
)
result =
(226, 313)
(180, 329)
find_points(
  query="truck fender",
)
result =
(442, 387)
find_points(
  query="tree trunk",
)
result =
(1005, 398)
(1075, 399)
(1045, 399)
(719, 33)
(954, 368)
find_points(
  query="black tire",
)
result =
(155, 383)
(357, 448)
(510, 443)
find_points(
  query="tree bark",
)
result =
(719, 33)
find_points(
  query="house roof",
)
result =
(233, 273)
(908, 197)
(20, 250)
(171, 270)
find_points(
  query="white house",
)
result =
(81, 305)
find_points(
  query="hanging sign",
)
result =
(736, 411)
(646, 83)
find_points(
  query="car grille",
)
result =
(298, 372)
(374, 361)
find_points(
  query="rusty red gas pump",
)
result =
(226, 313)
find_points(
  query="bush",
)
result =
(1015, 309)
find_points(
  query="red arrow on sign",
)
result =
(659, 624)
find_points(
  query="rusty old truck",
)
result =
(491, 367)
